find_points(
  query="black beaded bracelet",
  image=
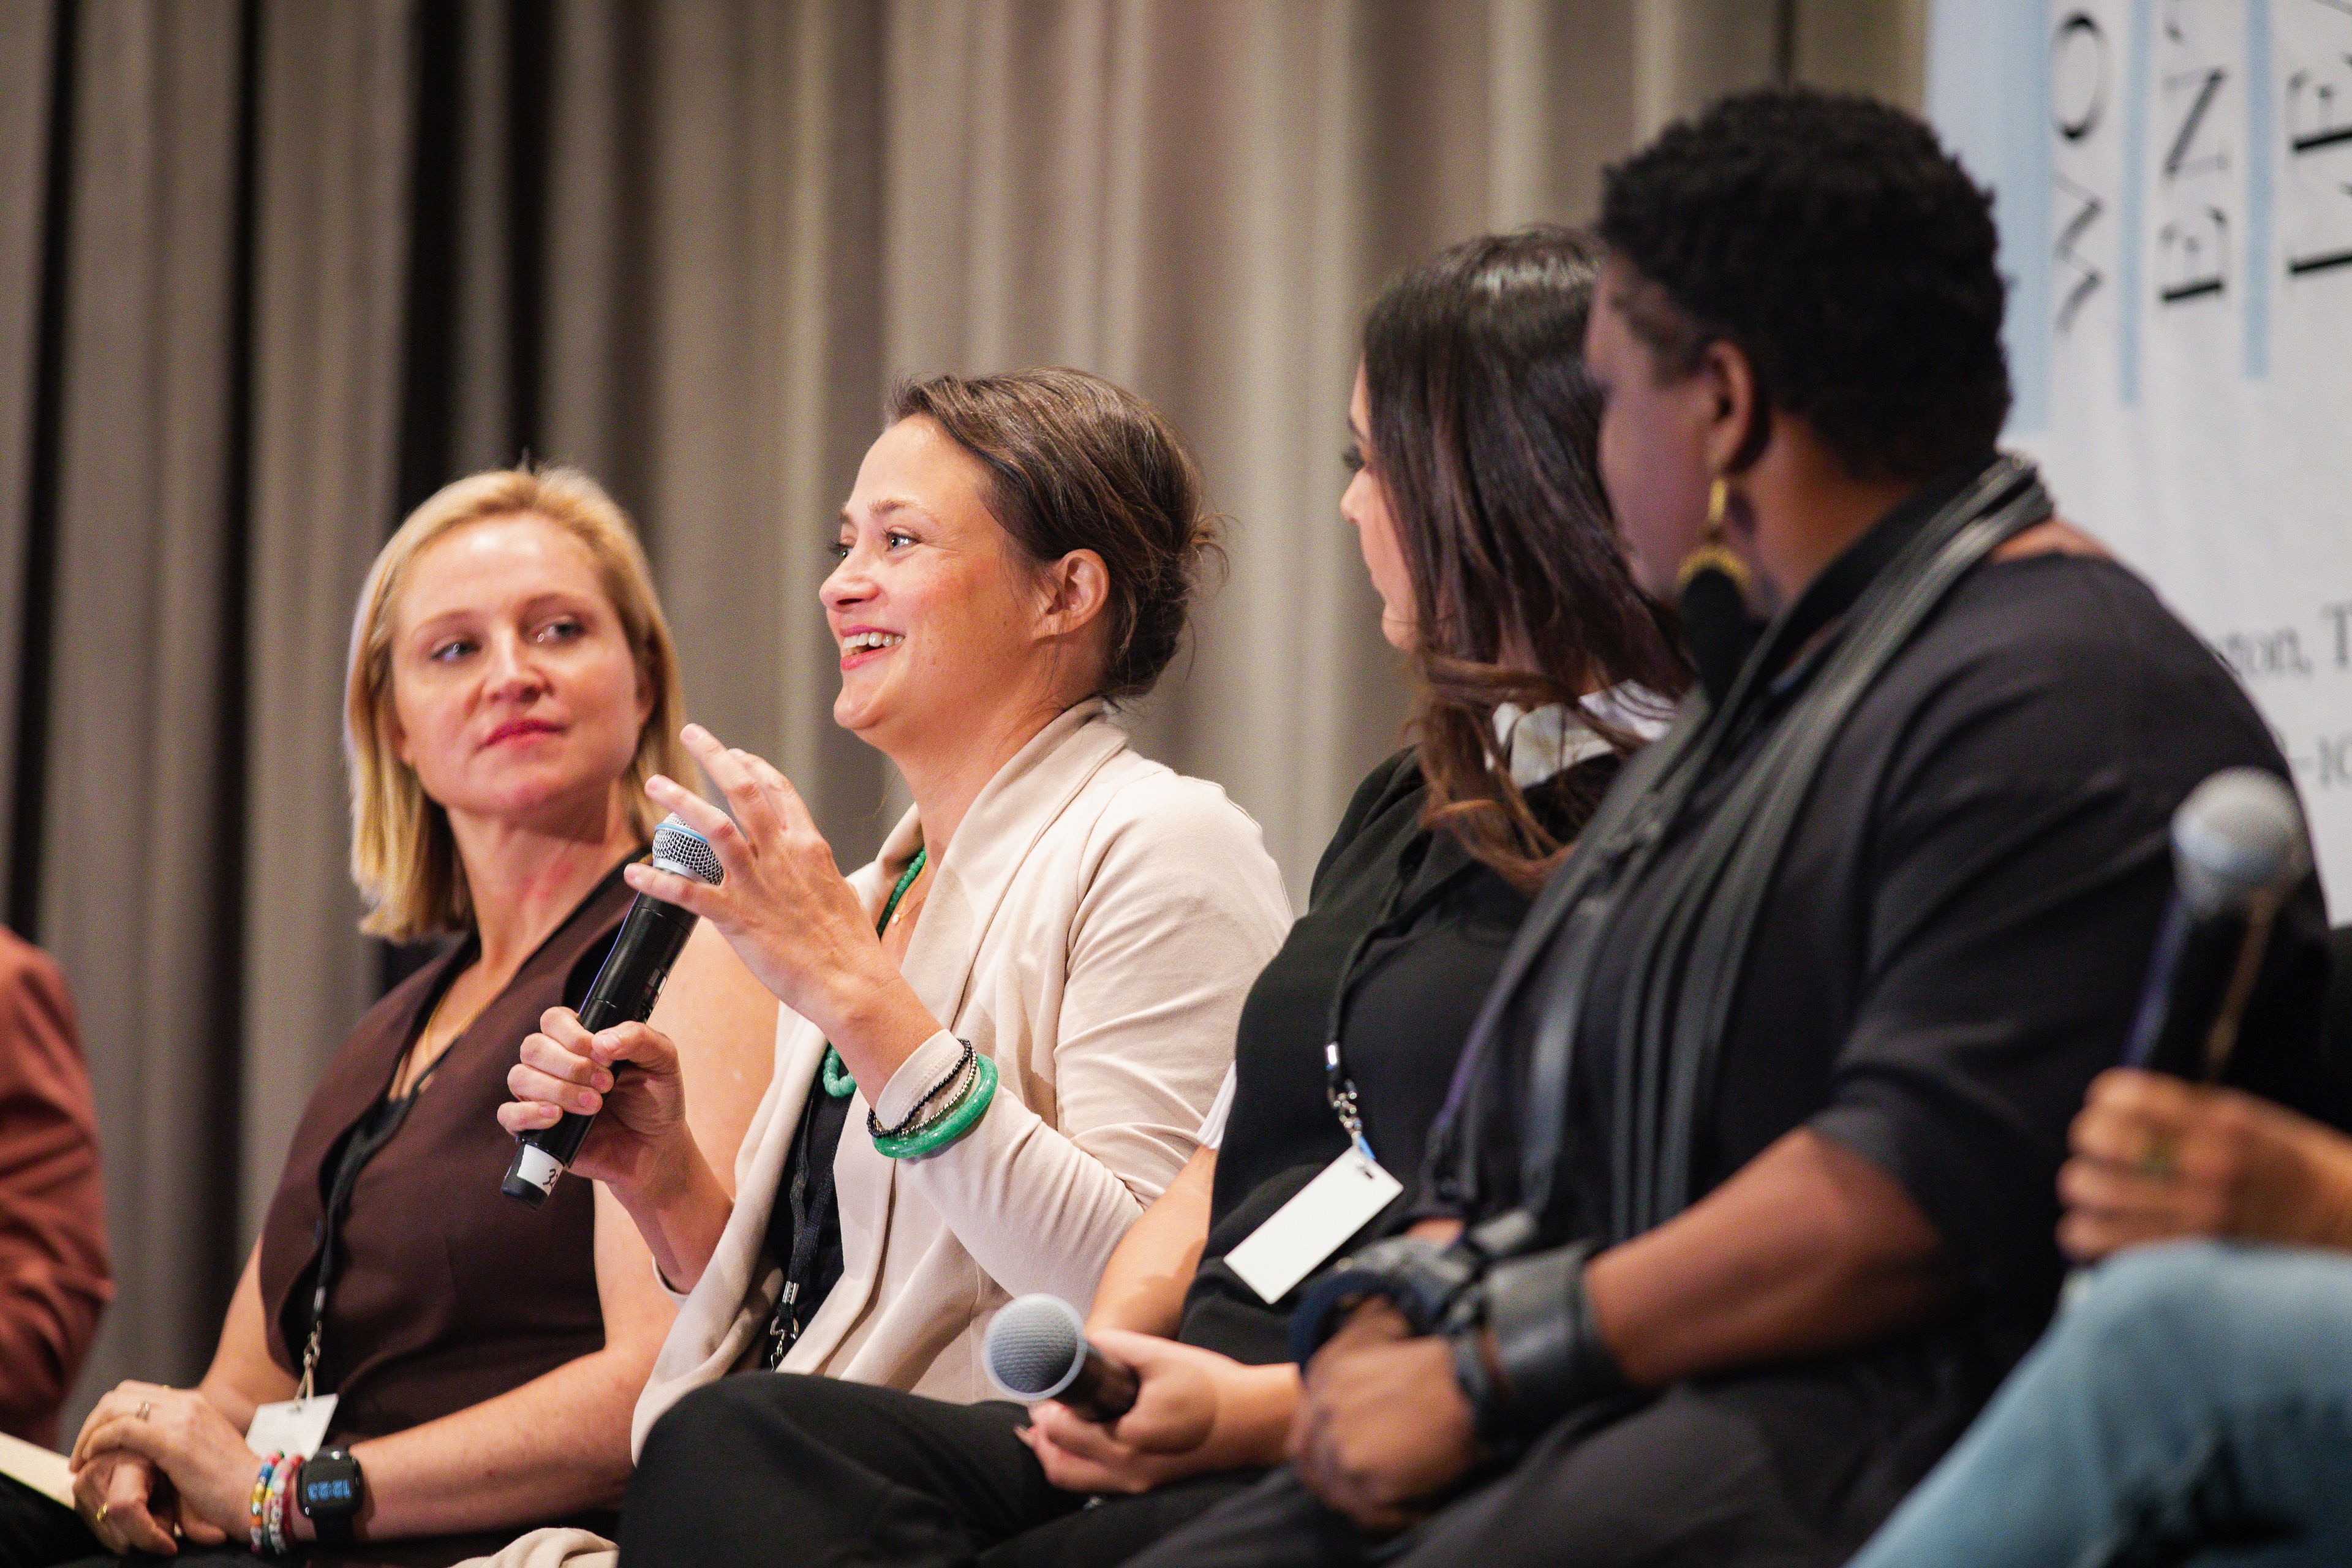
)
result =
(914, 1119)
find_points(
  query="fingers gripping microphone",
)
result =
(651, 935)
(2238, 853)
(1037, 1349)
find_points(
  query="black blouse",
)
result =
(1439, 922)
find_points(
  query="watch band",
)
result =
(331, 1491)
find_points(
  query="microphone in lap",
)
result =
(1037, 1349)
(2237, 854)
(651, 936)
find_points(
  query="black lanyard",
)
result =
(362, 1143)
(810, 1192)
(375, 1128)
(1399, 910)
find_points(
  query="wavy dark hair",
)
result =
(1485, 432)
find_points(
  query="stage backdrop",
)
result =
(2174, 185)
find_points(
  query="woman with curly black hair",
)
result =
(1744, 1199)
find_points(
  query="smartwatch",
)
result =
(331, 1491)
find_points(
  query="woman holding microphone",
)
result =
(1475, 500)
(997, 1041)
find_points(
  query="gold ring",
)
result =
(144, 1406)
(99, 1517)
(2160, 1159)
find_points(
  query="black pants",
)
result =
(1786, 1469)
(36, 1532)
(769, 1467)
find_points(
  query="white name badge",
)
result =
(295, 1427)
(1312, 1225)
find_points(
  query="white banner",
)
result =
(2173, 180)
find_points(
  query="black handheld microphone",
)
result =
(651, 935)
(1037, 1349)
(2237, 854)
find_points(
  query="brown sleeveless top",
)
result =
(445, 1292)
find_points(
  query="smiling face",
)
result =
(1365, 504)
(1655, 430)
(940, 618)
(515, 695)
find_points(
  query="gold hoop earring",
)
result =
(1713, 555)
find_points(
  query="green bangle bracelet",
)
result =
(958, 1121)
(837, 1082)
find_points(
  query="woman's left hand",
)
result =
(183, 1435)
(787, 910)
(2157, 1158)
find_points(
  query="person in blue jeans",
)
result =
(2193, 1402)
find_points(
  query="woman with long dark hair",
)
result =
(1477, 503)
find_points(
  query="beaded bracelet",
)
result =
(958, 1120)
(282, 1490)
(952, 1094)
(915, 1118)
(257, 1504)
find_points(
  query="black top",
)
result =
(1444, 920)
(1954, 943)
(806, 1188)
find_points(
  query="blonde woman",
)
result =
(512, 687)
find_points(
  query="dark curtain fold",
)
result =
(271, 272)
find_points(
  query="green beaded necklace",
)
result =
(837, 1082)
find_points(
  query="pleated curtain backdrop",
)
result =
(271, 272)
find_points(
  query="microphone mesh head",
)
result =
(1033, 1347)
(679, 848)
(2236, 840)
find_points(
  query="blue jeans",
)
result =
(2192, 1406)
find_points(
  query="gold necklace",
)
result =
(908, 900)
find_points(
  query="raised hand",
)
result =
(787, 910)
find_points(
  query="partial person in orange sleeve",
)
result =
(54, 1277)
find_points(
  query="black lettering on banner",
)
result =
(2314, 119)
(2078, 76)
(2257, 656)
(2192, 256)
(2318, 102)
(2324, 261)
(2340, 616)
(2193, 240)
(2332, 762)
(2079, 90)
(2087, 276)
(2206, 85)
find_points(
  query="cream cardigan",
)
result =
(1093, 929)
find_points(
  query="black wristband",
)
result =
(1419, 1278)
(1547, 1346)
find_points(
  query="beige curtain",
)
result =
(270, 270)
